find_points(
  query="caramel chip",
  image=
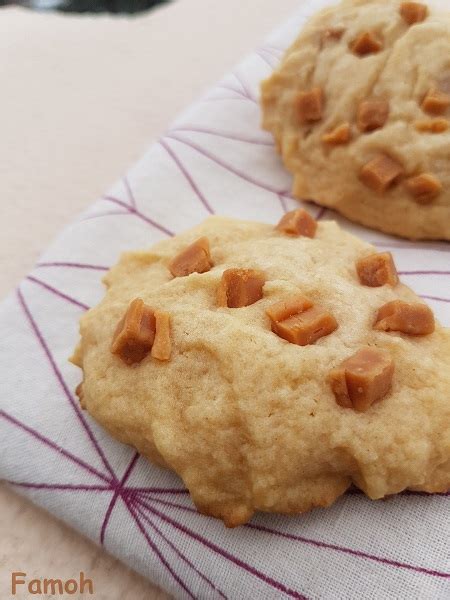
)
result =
(339, 135)
(162, 345)
(284, 309)
(413, 12)
(240, 287)
(300, 322)
(307, 327)
(372, 114)
(381, 172)
(195, 258)
(310, 105)
(135, 333)
(435, 102)
(424, 188)
(414, 319)
(362, 379)
(377, 270)
(432, 125)
(298, 222)
(366, 43)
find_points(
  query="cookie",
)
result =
(271, 367)
(360, 111)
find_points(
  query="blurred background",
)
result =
(88, 6)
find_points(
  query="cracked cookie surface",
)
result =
(360, 108)
(246, 418)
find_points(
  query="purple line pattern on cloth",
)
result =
(314, 542)
(131, 209)
(70, 265)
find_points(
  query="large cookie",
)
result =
(360, 108)
(270, 367)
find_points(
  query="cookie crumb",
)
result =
(376, 270)
(366, 43)
(432, 125)
(413, 12)
(196, 258)
(240, 287)
(135, 333)
(162, 345)
(309, 105)
(80, 393)
(372, 114)
(381, 172)
(424, 187)
(333, 34)
(435, 102)
(299, 321)
(362, 379)
(412, 318)
(298, 222)
(339, 135)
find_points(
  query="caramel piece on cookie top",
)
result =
(435, 102)
(286, 308)
(362, 379)
(377, 270)
(309, 105)
(411, 318)
(372, 114)
(299, 321)
(381, 172)
(162, 345)
(339, 135)
(413, 12)
(424, 187)
(298, 222)
(432, 125)
(195, 258)
(366, 43)
(240, 287)
(135, 333)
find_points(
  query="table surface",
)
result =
(82, 97)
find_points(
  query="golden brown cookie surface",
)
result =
(248, 418)
(377, 150)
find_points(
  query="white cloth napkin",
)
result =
(215, 159)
